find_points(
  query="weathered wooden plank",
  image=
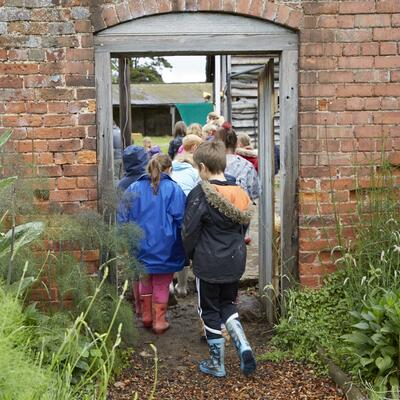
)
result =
(246, 59)
(237, 84)
(249, 123)
(164, 44)
(125, 114)
(244, 93)
(266, 173)
(195, 23)
(289, 167)
(104, 124)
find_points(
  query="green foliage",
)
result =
(375, 342)
(314, 319)
(143, 69)
(355, 317)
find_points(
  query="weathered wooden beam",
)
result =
(125, 112)
(289, 168)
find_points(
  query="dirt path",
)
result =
(180, 349)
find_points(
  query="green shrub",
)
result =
(375, 343)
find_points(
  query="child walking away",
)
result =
(187, 177)
(156, 203)
(134, 161)
(213, 236)
(245, 149)
(176, 142)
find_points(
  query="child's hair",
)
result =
(244, 139)
(159, 163)
(228, 136)
(195, 129)
(208, 128)
(180, 129)
(212, 155)
(212, 116)
(190, 140)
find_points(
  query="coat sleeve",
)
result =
(125, 205)
(253, 184)
(193, 221)
(177, 205)
(171, 151)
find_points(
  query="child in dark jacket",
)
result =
(156, 203)
(213, 236)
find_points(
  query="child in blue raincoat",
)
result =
(157, 204)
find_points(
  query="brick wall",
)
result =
(349, 95)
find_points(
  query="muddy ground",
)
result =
(179, 351)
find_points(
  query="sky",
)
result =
(185, 69)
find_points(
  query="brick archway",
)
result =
(108, 15)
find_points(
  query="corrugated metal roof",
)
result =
(164, 93)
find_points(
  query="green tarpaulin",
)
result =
(194, 112)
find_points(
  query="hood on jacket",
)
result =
(181, 165)
(231, 201)
(135, 160)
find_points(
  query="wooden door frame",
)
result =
(210, 34)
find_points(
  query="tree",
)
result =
(143, 69)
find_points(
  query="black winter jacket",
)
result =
(213, 234)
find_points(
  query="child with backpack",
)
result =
(216, 215)
(156, 203)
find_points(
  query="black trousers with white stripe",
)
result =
(216, 305)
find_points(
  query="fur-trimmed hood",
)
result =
(224, 206)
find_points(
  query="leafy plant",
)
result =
(374, 343)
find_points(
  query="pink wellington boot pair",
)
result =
(154, 314)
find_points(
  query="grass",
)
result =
(162, 141)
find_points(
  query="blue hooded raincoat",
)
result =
(135, 161)
(160, 217)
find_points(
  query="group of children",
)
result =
(195, 208)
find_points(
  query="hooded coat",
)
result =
(216, 216)
(135, 160)
(185, 175)
(160, 218)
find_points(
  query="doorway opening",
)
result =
(254, 85)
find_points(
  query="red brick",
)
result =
(354, 103)
(387, 62)
(335, 76)
(80, 68)
(80, 54)
(354, 35)
(357, 7)
(307, 77)
(87, 183)
(56, 94)
(49, 171)
(283, 14)
(395, 76)
(123, 12)
(87, 119)
(59, 120)
(317, 63)
(66, 183)
(369, 49)
(57, 107)
(372, 103)
(351, 49)
(388, 48)
(387, 89)
(295, 20)
(387, 6)
(356, 62)
(203, 5)
(368, 131)
(372, 20)
(45, 158)
(69, 195)
(110, 15)
(387, 34)
(345, 21)
(350, 90)
(86, 157)
(15, 107)
(396, 20)
(242, 6)
(390, 103)
(270, 11)
(333, 49)
(18, 69)
(10, 82)
(83, 26)
(36, 108)
(64, 158)
(387, 118)
(65, 145)
(80, 170)
(311, 281)
(327, 21)
(22, 120)
(317, 90)
(312, 7)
